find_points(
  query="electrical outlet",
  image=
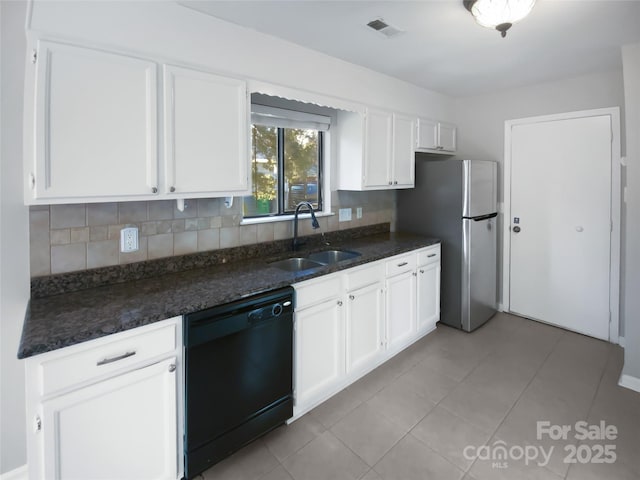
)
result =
(129, 239)
(359, 212)
(344, 215)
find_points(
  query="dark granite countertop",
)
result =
(69, 318)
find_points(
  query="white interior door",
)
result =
(560, 229)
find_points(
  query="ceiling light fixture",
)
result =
(499, 14)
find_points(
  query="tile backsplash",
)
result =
(66, 238)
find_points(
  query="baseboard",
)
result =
(621, 341)
(19, 473)
(627, 381)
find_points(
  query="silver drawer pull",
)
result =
(431, 255)
(403, 264)
(115, 359)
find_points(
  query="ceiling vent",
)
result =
(380, 26)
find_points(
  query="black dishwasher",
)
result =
(238, 375)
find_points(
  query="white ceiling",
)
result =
(443, 49)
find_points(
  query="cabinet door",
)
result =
(377, 151)
(95, 126)
(427, 134)
(428, 288)
(365, 326)
(403, 151)
(319, 351)
(123, 428)
(401, 310)
(206, 133)
(447, 137)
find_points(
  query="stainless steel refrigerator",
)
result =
(456, 201)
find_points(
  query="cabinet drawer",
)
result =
(315, 291)
(363, 276)
(96, 361)
(430, 255)
(400, 264)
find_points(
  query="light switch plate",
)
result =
(359, 212)
(344, 215)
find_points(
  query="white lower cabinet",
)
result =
(401, 310)
(93, 430)
(319, 350)
(365, 326)
(120, 422)
(349, 322)
(428, 288)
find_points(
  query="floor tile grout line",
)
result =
(522, 393)
(464, 472)
(408, 432)
(458, 382)
(595, 394)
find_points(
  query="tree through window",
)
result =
(286, 169)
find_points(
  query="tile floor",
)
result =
(413, 417)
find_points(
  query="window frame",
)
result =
(282, 212)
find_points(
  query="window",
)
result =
(286, 161)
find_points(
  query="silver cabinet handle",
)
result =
(172, 189)
(421, 271)
(172, 368)
(339, 303)
(414, 274)
(390, 182)
(403, 264)
(154, 189)
(395, 182)
(104, 361)
(431, 255)
(351, 297)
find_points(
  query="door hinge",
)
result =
(32, 181)
(38, 423)
(34, 56)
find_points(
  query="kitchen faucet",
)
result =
(314, 223)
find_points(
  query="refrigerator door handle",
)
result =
(484, 217)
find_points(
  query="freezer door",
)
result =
(479, 271)
(480, 193)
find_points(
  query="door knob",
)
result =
(516, 229)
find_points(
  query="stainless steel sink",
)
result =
(333, 256)
(296, 264)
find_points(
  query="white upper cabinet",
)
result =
(447, 137)
(375, 150)
(403, 151)
(206, 131)
(95, 125)
(436, 137)
(93, 129)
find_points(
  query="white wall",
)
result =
(481, 118)
(14, 239)
(631, 306)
